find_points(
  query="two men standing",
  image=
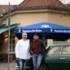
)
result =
(23, 49)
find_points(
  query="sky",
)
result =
(12, 2)
(65, 1)
(16, 2)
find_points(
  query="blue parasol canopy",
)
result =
(44, 27)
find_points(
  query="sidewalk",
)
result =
(12, 66)
(4, 66)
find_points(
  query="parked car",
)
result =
(58, 57)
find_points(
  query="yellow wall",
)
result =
(31, 18)
(61, 19)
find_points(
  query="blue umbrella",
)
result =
(44, 27)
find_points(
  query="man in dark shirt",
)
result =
(37, 50)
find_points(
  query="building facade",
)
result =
(36, 11)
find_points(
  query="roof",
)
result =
(34, 5)
(4, 9)
(43, 4)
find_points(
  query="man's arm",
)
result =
(17, 49)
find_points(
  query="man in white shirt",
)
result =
(22, 51)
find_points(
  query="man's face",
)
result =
(24, 35)
(36, 37)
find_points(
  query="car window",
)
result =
(66, 50)
(54, 51)
(59, 51)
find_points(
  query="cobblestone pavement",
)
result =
(4, 66)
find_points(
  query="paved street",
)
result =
(4, 66)
(12, 66)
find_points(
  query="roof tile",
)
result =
(47, 4)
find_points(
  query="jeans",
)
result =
(17, 61)
(21, 64)
(37, 61)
